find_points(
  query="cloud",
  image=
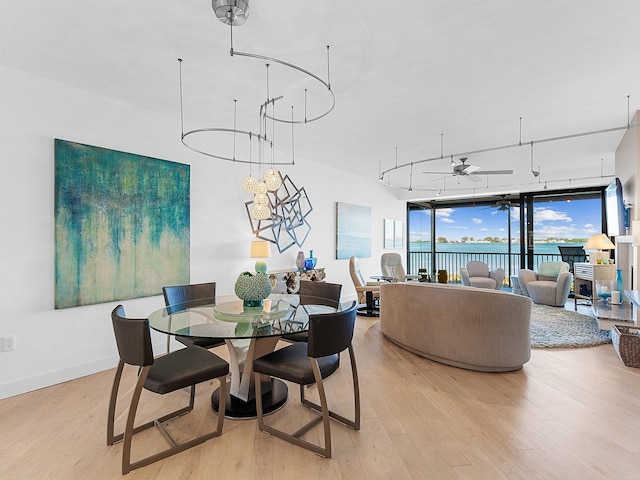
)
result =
(444, 212)
(588, 225)
(447, 220)
(547, 215)
(477, 221)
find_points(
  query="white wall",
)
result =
(627, 168)
(57, 345)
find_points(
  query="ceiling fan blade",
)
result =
(493, 172)
(437, 173)
(473, 177)
(470, 169)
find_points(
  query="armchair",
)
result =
(549, 286)
(368, 292)
(391, 266)
(477, 274)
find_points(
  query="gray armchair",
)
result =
(477, 274)
(550, 285)
(391, 266)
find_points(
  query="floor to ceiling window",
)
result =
(506, 232)
(560, 219)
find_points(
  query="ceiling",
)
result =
(413, 81)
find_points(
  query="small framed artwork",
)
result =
(388, 233)
(398, 236)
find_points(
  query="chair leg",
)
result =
(293, 438)
(355, 423)
(130, 430)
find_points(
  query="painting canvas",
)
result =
(121, 225)
(353, 231)
(388, 233)
(398, 234)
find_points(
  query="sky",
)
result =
(556, 219)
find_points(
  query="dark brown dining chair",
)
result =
(310, 362)
(316, 293)
(181, 297)
(183, 368)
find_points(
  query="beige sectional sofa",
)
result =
(466, 327)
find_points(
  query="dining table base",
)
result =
(237, 408)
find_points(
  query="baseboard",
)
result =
(47, 379)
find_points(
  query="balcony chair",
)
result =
(572, 255)
(368, 292)
(183, 368)
(309, 363)
(180, 297)
(549, 286)
(477, 274)
(315, 293)
(391, 266)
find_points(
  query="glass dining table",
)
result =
(249, 333)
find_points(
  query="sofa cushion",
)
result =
(482, 282)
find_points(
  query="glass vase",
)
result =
(310, 263)
(619, 284)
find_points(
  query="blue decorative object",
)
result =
(619, 284)
(310, 263)
(253, 289)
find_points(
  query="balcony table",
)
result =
(249, 333)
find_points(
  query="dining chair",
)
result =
(317, 293)
(180, 369)
(311, 362)
(181, 297)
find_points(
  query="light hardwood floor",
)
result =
(568, 414)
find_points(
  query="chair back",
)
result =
(478, 269)
(181, 297)
(132, 338)
(331, 333)
(391, 266)
(319, 293)
(572, 255)
(551, 270)
(354, 271)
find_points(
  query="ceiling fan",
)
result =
(470, 171)
(504, 204)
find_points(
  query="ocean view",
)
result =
(487, 247)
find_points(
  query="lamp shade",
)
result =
(260, 249)
(599, 242)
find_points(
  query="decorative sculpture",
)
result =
(287, 225)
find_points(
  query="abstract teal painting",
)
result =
(353, 231)
(121, 225)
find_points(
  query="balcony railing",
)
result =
(453, 261)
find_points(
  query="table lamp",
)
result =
(599, 243)
(260, 249)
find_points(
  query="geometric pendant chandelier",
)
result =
(257, 147)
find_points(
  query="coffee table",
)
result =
(608, 314)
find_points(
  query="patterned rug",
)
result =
(555, 327)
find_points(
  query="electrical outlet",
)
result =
(8, 344)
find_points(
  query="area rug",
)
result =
(555, 327)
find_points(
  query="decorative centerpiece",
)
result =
(253, 288)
